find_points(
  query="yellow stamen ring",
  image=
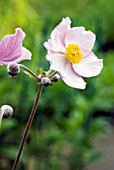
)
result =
(73, 53)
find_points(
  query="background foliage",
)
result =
(64, 129)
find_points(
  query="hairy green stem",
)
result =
(28, 70)
(27, 127)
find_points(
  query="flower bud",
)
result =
(56, 77)
(45, 81)
(13, 69)
(6, 111)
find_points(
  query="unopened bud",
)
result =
(13, 69)
(6, 112)
(56, 77)
(45, 81)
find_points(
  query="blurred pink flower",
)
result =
(69, 53)
(11, 49)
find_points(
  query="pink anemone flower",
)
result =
(11, 49)
(69, 53)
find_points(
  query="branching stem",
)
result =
(28, 70)
(51, 75)
(27, 127)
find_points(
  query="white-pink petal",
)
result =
(61, 30)
(56, 43)
(20, 31)
(47, 45)
(89, 66)
(57, 61)
(78, 35)
(26, 55)
(11, 48)
(64, 25)
(71, 78)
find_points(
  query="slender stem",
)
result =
(28, 70)
(48, 72)
(51, 75)
(27, 127)
(1, 116)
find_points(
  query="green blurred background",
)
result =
(67, 120)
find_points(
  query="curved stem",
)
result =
(27, 127)
(48, 72)
(51, 75)
(1, 116)
(28, 70)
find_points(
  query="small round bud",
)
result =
(56, 77)
(45, 81)
(13, 69)
(6, 111)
